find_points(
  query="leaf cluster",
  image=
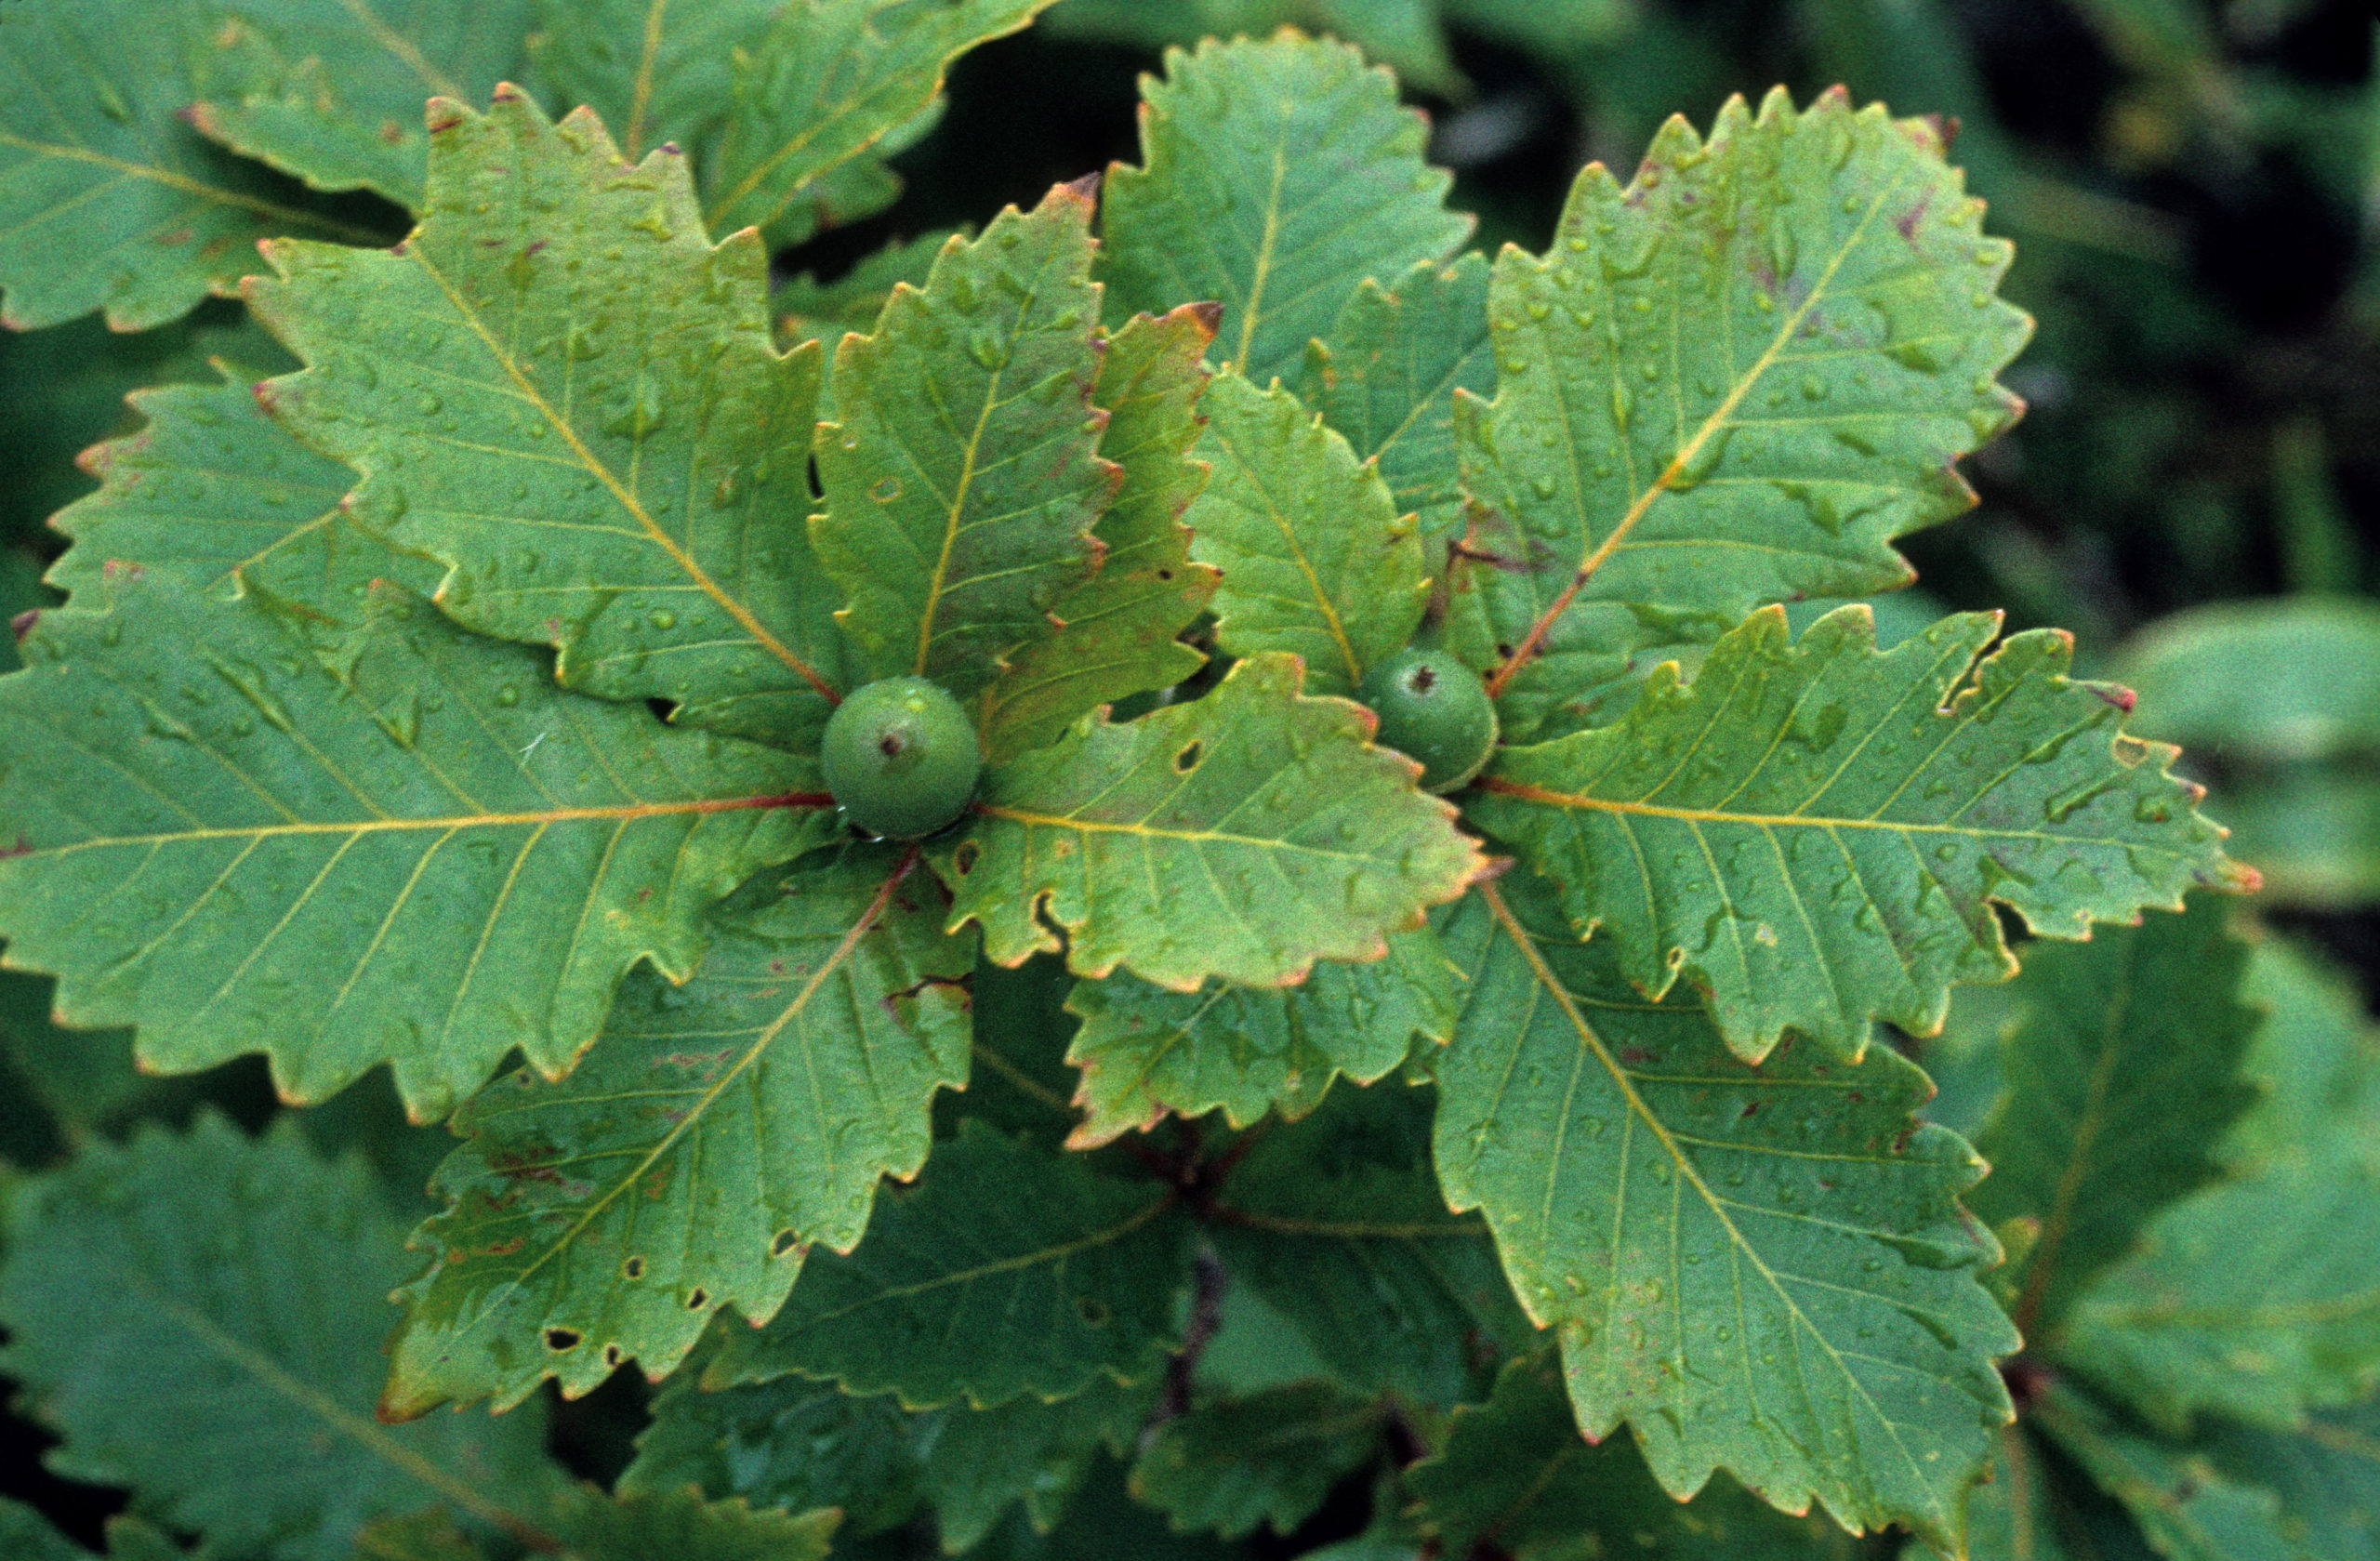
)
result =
(1211, 1131)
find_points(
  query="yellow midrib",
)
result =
(1687, 1174)
(697, 1112)
(528, 391)
(626, 811)
(1575, 801)
(172, 181)
(1711, 425)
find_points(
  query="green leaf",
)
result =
(559, 389)
(808, 310)
(25, 1535)
(112, 200)
(2258, 1298)
(1118, 626)
(960, 468)
(1270, 1457)
(680, 1525)
(832, 86)
(1006, 1269)
(1338, 1224)
(2316, 1059)
(1316, 560)
(1144, 1051)
(63, 390)
(1516, 1478)
(1021, 1081)
(1814, 834)
(330, 91)
(2311, 828)
(1279, 175)
(2123, 1075)
(2189, 1510)
(1103, 1524)
(2326, 1473)
(2013, 1513)
(983, 1461)
(430, 1535)
(216, 840)
(1403, 34)
(1733, 382)
(716, 1131)
(655, 72)
(1764, 1270)
(1386, 373)
(215, 495)
(2281, 695)
(81, 1078)
(1244, 835)
(794, 1443)
(2285, 677)
(2255, 1299)
(791, 1444)
(187, 1311)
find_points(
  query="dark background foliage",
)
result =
(2193, 187)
